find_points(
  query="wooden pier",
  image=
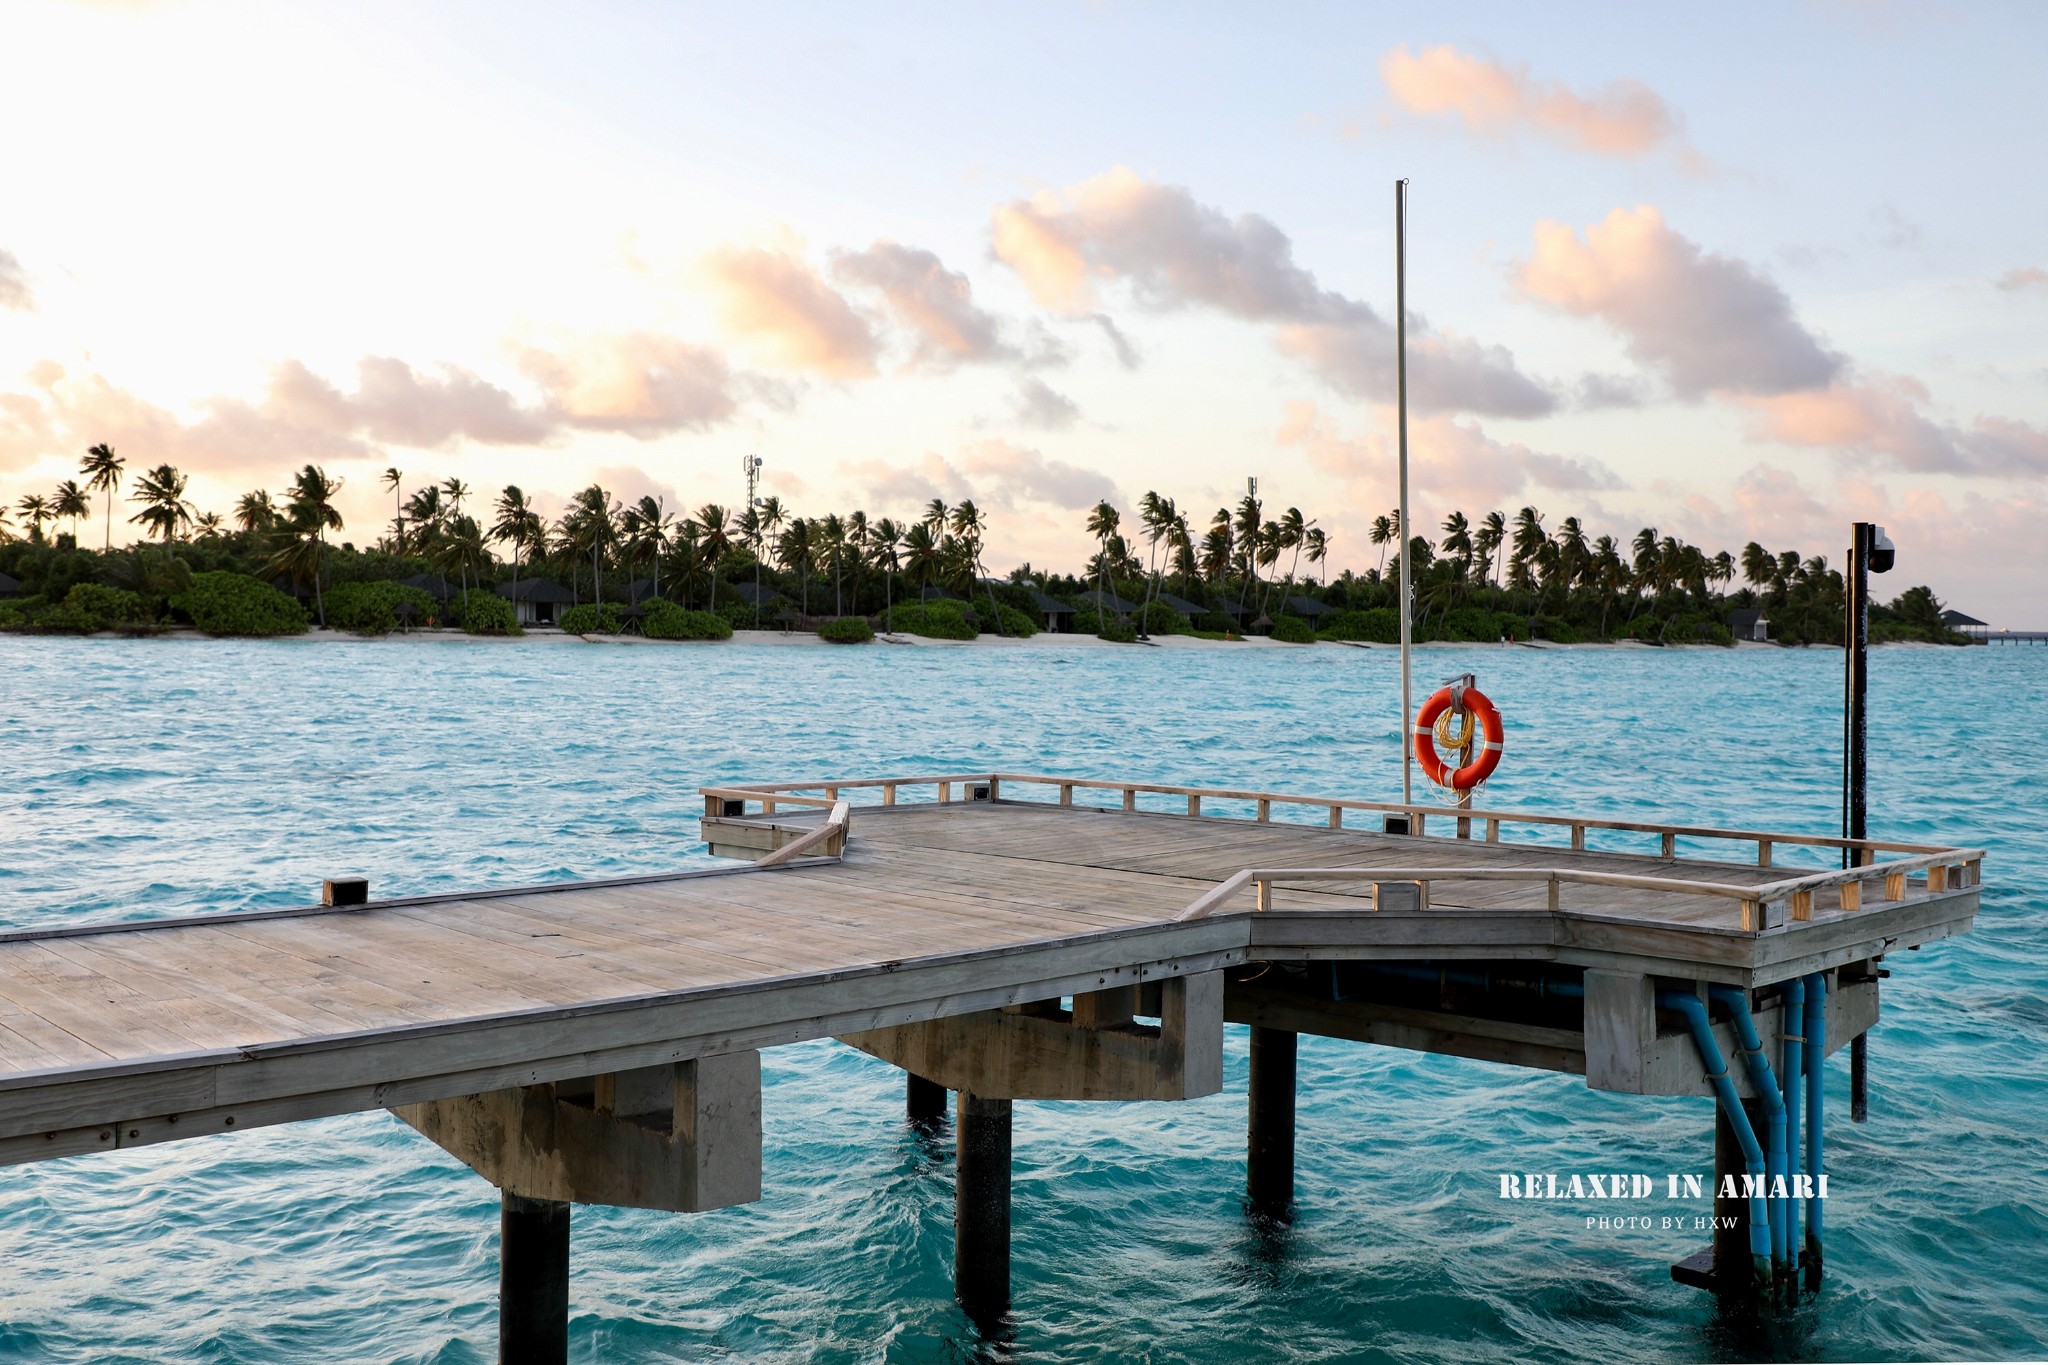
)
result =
(1003, 936)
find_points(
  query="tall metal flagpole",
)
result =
(1401, 402)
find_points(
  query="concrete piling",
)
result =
(533, 1281)
(1269, 1136)
(981, 1205)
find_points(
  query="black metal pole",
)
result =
(1269, 1123)
(533, 1281)
(1859, 1078)
(981, 1211)
(924, 1102)
(1856, 659)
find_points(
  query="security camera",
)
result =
(1882, 552)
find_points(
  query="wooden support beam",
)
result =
(1621, 1029)
(1001, 1055)
(682, 1137)
(1852, 895)
(1111, 1008)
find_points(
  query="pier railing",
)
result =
(1941, 866)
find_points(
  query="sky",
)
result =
(1737, 274)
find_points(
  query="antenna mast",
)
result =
(1401, 402)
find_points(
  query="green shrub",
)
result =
(1214, 623)
(1645, 628)
(1380, 625)
(1014, 622)
(1697, 629)
(1119, 632)
(740, 615)
(372, 608)
(933, 620)
(1466, 623)
(667, 621)
(1292, 630)
(1161, 619)
(486, 613)
(223, 603)
(1558, 629)
(592, 618)
(847, 630)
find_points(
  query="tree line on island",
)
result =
(452, 558)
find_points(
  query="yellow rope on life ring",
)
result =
(1462, 740)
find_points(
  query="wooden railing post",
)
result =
(1578, 838)
(1551, 897)
(1265, 889)
(1670, 844)
(888, 793)
(1194, 804)
(1066, 793)
(1763, 853)
(1130, 798)
(1336, 817)
(1265, 809)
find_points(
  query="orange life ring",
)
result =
(1483, 763)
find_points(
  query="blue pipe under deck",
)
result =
(1816, 1055)
(1694, 1010)
(1736, 1001)
(1792, 996)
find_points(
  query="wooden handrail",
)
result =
(1920, 856)
(834, 823)
(1223, 891)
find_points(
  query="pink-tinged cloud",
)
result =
(1497, 100)
(778, 301)
(1981, 553)
(2012, 281)
(399, 405)
(15, 295)
(933, 304)
(644, 384)
(995, 474)
(1171, 252)
(1043, 408)
(1452, 464)
(1708, 323)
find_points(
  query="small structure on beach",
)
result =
(1191, 610)
(433, 585)
(1964, 624)
(1749, 623)
(1106, 602)
(1308, 609)
(538, 601)
(1057, 615)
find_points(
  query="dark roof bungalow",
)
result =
(1107, 601)
(10, 586)
(934, 593)
(1308, 608)
(745, 591)
(1181, 604)
(1748, 623)
(1058, 615)
(1953, 619)
(433, 585)
(539, 601)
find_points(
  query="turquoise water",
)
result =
(166, 777)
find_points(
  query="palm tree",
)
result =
(921, 554)
(313, 515)
(391, 478)
(1458, 541)
(1487, 542)
(102, 470)
(832, 541)
(1102, 524)
(935, 513)
(72, 503)
(796, 552)
(519, 526)
(461, 549)
(647, 526)
(1156, 515)
(164, 509)
(884, 540)
(254, 511)
(35, 510)
(969, 523)
(714, 539)
(1382, 534)
(592, 519)
(1318, 542)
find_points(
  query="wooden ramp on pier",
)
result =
(1001, 935)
